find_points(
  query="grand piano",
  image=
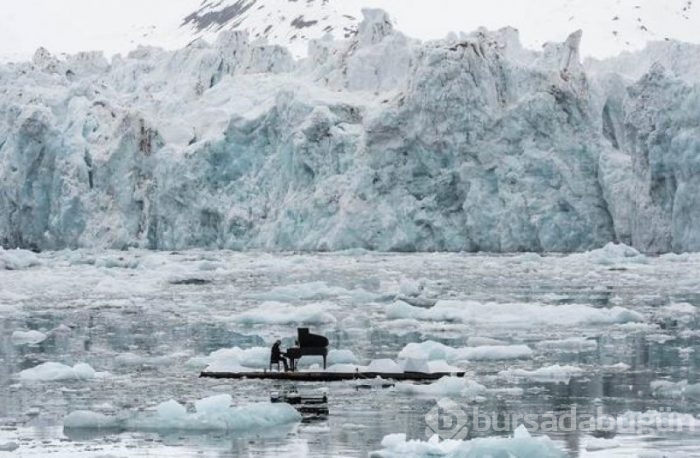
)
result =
(309, 344)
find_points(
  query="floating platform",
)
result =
(330, 376)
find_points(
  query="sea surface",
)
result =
(625, 326)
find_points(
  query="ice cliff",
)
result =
(378, 141)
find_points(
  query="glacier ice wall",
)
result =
(379, 142)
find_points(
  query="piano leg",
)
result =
(324, 362)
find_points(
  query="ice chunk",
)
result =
(446, 386)
(171, 414)
(214, 405)
(555, 373)
(28, 337)
(522, 445)
(233, 359)
(415, 365)
(85, 419)
(51, 371)
(17, 259)
(384, 365)
(431, 350)
(514, 315)
(411, 287)
(611, 254)
(279, 313)
(341, 357)
(212, 414)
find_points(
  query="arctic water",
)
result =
(609, 329)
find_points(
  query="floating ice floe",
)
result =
(430, 350)
(51, 371)
(521, 445)
(513, 315)
(287, 314)
(611, 254)
(555, 374)
(211, 414)
(446, 386)
(17, 259)
(28, 337)
(232, 359)
(412, 287)
(392, 367)
(312, 291)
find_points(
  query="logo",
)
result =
(447, 420)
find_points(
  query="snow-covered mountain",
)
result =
(118, 26)
(377, 141)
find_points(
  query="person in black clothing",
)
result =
(277, 356)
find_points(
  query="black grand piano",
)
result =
(309, 344)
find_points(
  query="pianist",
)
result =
(277, 356)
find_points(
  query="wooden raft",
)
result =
(329, 376)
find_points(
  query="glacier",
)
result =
(378, 142)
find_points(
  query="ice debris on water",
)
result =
(214, 413)
(521, 445)
(52, 371)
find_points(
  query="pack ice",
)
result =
(377, 141)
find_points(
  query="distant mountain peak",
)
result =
(288, 22)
